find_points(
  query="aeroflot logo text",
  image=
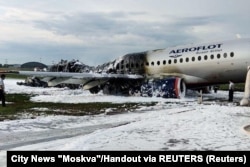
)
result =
(199, 48)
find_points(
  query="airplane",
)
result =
(170, 71)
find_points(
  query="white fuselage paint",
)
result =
(230, 61)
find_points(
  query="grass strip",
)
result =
(20, 104)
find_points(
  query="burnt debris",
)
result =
(71, 66)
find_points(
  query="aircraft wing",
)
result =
(88, 80)
(80, 75)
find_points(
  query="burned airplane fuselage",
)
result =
(131, 74)
(131, 63)
(149, 85)
(128, 64)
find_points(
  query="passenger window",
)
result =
(152, 63)
(212, 56)
(169, 61)
(147, 63)
(205, 57)
(187, 59)
(132, 65)
(225, 55)
(193, 58)
(158, 63)
(218, 56)
(175, 60)
(164, 62)
(199, 58)
(181, 60)
(232, 54)
(127, 65)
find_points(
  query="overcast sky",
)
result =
(98, 31)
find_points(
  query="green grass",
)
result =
(238, 87)
(13, 72)
(15, 76)
(21, 104)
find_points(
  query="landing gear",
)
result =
(245, 101)
(200, 97)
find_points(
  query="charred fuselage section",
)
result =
(71, 66)
(128, 64)
(133, 64)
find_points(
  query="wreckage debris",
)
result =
(34, 82)
(159, 88)
(71, 66)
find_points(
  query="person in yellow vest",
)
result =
(2, 91)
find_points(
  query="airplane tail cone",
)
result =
(245, 100)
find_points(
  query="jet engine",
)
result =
(173, 87)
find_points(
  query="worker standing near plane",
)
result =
(2, 92)
(231, 91)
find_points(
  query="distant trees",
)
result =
(4, 65)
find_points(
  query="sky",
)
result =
(98, 31)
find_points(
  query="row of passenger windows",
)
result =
(181, 60)
(192, 59)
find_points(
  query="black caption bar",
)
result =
(117, 158)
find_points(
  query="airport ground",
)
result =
(20, 104)
(48, 119)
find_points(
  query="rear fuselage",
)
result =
(198, 65)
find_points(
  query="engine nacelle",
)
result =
(167, 88)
